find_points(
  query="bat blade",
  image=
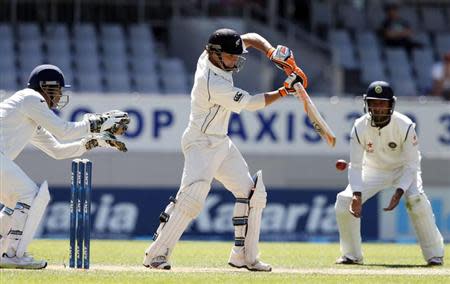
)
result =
(319, 123)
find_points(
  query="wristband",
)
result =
(270, 52)
(282, 91)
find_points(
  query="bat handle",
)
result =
(299, 87)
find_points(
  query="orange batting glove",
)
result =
(288, 85)
(283, 58)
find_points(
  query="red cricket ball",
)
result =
(341, 165)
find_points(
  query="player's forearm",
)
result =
(410, 170)
(71, 130)
(256, 41)
(355, 165)
(271, 97)
(65, 150)
(256, 102)
(260, 101)
(355, 178)
(64, 130)
(407, 178)
(412, 159)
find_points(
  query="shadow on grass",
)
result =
(397, 265)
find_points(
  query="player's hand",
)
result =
(117, 122)
(288, 85)
(280, 56)
(283, 58)
(103, 139)
(394, 200)
(291, 80)
(356, 205)
(114, 121)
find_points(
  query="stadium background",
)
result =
(140, 56)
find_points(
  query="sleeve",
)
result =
(412, 158)
(356, 159)
(437, 71)
(46, 142)
(223, 93)
(256, 102)
(36, 108)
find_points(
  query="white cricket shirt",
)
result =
(25, 117)
(392, 147)
(213, 98)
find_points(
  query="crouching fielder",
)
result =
(384, 153)
(26, 117)
(209, 153)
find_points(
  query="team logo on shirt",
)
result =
(369, 147)
(414, 141)
(238, 97)
(392, 145)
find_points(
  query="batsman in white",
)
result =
(209, 153)
(384, 153)
(27, 117)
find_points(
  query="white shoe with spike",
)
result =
(237, 259)
(25, 262)
(159, 262)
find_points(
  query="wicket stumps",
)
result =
(80, 213)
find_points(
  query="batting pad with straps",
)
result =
(187, 206)
(247, 219)
(5, 223)
(27, 221)
(349, 228)
(422, 218)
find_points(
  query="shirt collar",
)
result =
(217, 70)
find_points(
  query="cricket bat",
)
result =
(320, 125)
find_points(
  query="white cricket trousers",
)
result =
(373, 182)
(15, 185)
(207, 157)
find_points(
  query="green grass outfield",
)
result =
(206, 262)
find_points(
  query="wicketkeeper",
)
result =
(209, 153)
(384, 152)
(27, 117)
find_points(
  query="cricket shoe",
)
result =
(258, 265)
(347, 260)
(159, 262)
(435, 261)
(237, 260)
(25, 262)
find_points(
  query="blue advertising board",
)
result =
(130, 213)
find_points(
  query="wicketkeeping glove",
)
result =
(103, 139)
(283, 58)
(114, 121)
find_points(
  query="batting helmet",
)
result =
(46, 74)
(49, 80)
(225, 40)
(382, 91)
